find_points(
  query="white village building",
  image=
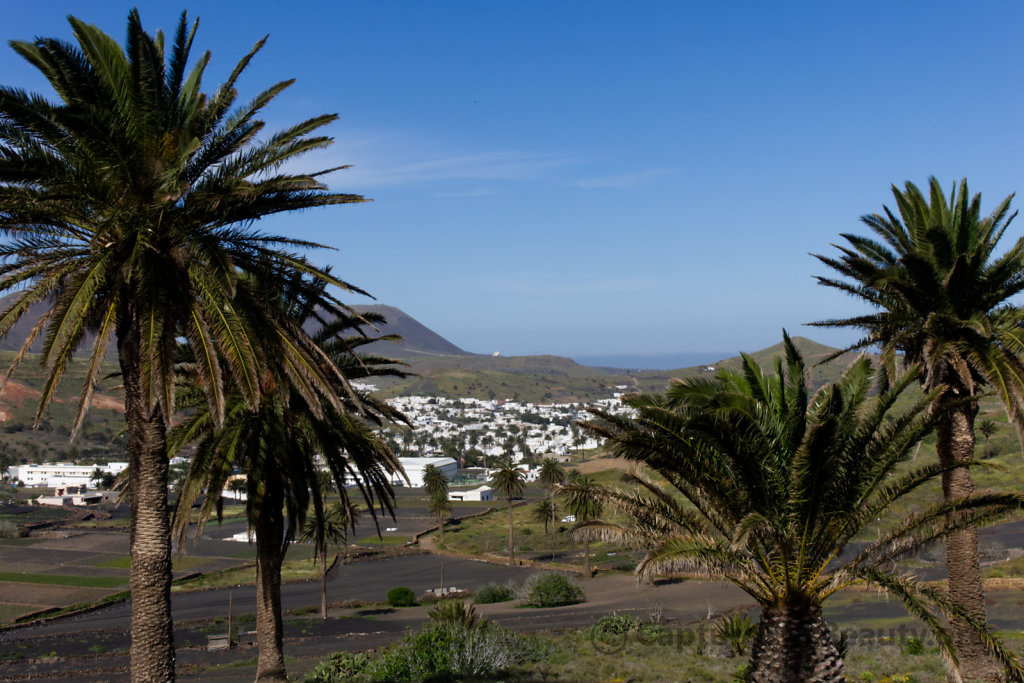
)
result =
(52, 475)
(479, 493)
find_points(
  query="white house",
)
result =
(60, 474)
(480, 493)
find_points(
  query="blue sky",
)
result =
(611, 177)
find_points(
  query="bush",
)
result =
(452, 650)
(550, 589)
(913, 647)
(456, 612)
(610, 628)
(341, 667)
(401, 597)
(492, 593)
(614, 624)
(736, 631)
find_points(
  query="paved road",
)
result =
(368, 581)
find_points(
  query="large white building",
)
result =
(414, 469)
(53, 475)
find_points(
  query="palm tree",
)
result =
(127, 206)
(987, 428)
(440, 509)
(324, 531)
(583, 501)
(509, 481)
(941, 299)
(284, 445)
(542, 513)
(764, 485)
(551, 476)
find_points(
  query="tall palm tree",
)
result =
(551, 476)
(127, 205)
(440, 508)
(583, 501)
(324, 531)
(509, 481)
(764, 485)
(941, 299)
(284, 445)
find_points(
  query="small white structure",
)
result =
(414, 469)
(71, 495)
(61, 474)
(480, 493)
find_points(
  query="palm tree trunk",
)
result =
(511, 541)
(794, 645)
(323, 584)
(955, 444)
(586, 557)
(269, 527)
(152, 631)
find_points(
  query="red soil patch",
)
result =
(602, 464)
(107, 402)
(15, 394)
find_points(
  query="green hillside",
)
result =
(100, 437)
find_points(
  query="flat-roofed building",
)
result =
(52, 475)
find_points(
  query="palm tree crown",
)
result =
(434, 481)
(764, 485)
(940, 292)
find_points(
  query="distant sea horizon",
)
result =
(653, 361)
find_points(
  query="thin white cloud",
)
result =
(501, 165)
(382, 159)
(621, 181)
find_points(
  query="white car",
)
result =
(571, 519)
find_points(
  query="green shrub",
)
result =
(913, 647)
(401, 597)
(736, 631)
(614, 625)
(492, 593)
(550, 589)
(452, 650)
(455, 612)
(341, 667)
